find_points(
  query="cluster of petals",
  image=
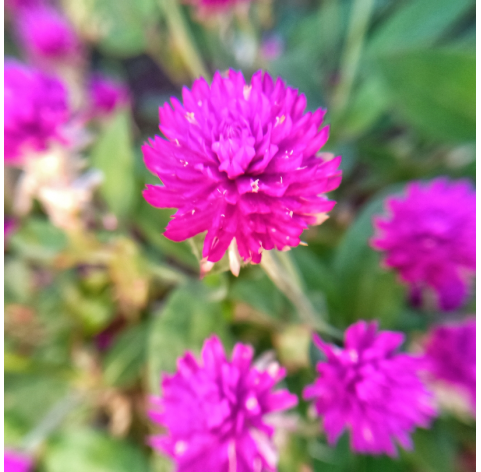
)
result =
(15, 462)
(47, 36)
(430, 239)
(214, 411)
(239, 161)
(35, 109)
(370, 389)
(450, 356)
(106, 95)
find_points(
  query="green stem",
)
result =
(179, 30)
(281, 271)
(360, 16)
(50, 422)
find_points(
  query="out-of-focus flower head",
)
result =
(272, 47)
(9, 226)
(15, 462)
(214, 411)
(106, 95)
(370, 389)
(450, 356)
(430, 239)
(47, 36)
(15, 5)
(35, 109)
(239, 161)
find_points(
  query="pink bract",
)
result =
(15, 462)
(430, 238)
(371, 390)
(214, 411)
(450, 356)
(106, 95)
(46, 35)
(35, 108)
(239, 161)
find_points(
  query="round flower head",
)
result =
(240, 162)
(450, 356)
(46, 36)
(106, 95)
(14, 462)
(214, 412)
(35, 108)
(430, 239)
(371, 390)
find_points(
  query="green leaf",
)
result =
(188, 318)
(258, 291)
(113, 155)
(366, 290)
(89, 450)
(418, 23)
(126, 24)
(126, 357)
(27, 398)
(38, 239)
(434, 90)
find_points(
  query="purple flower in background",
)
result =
(35, 108)
(15, 5)
(214, 412)
(211, 6)
(239, 161)
(370, 389)
(15, 462)
(450, 356)
(47, 36)
(106, 94)
(9, 226)
(430, 239)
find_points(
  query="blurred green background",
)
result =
(92, 320)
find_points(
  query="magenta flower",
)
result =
(371, 390)
(430, 239)
(106, 95)
(14, 462)
(35, 108)
(47, 36)
(450, 356)
(15, 5)
(239, 161)
(9, 226)
(215, 412)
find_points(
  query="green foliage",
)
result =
(98, 312)
(113, 155)
(87, 449)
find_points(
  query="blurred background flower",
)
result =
(99, 302)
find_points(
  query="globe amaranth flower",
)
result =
(15, 462)
(430, 239)
(214, 411)
(370, 389)
(239, 161)
(35, 108)
(450, 356)
(47, 36)
(106, 95)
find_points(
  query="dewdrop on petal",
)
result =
(239, 161)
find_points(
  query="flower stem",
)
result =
(50, 422)
(360, 16)
(281, 270)
(182, 36)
